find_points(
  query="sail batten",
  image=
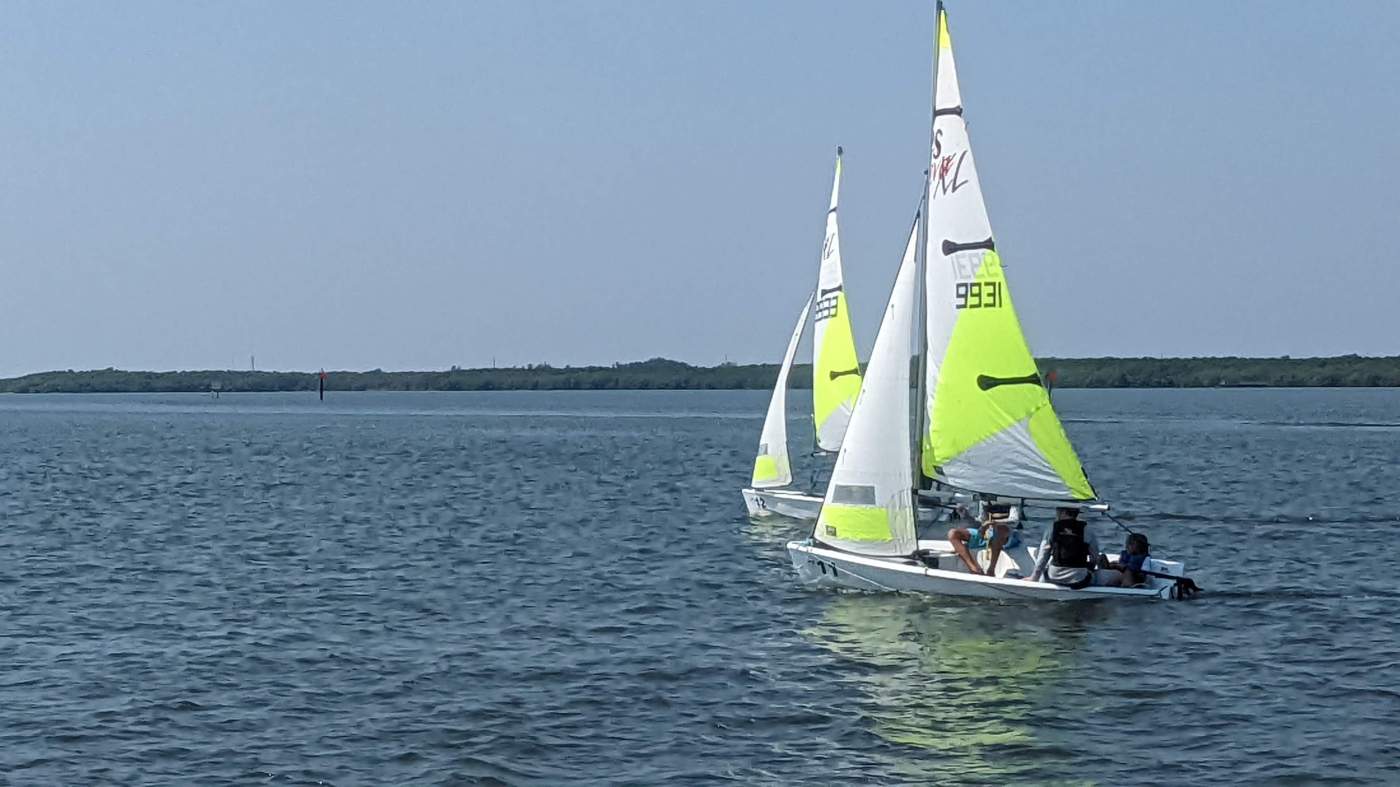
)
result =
(836, 376)
(989, 423)
(869, 503)
(772, 467)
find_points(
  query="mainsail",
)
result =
(869, 504)
(990, 426)
(835, 368)
(771, 467)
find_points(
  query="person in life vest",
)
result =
(992, 533)
(1127, 570)
(1068, 552)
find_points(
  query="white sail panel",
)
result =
(772, 467)
(983, 389)
(835, 366)
(869, 504)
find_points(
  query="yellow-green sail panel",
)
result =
(836, 376)
(987, 384)
(771, 471)
(835, 368)
(867, 524)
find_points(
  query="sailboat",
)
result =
(984, 424)
(836, 381)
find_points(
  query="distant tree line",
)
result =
(1285, 372)
(661, 373)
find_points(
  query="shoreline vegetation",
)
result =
(664, 374)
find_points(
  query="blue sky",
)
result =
(356, 185)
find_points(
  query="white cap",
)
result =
(1013, 512)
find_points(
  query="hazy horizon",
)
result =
(608, 364)
(409, 188)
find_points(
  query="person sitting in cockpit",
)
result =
(1127, 570)
(992, 533)
(1067, 553)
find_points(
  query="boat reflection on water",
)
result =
(968, 685)
(772, 534)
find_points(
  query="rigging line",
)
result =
(1119, 524)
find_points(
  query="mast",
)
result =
(921, 392)
(816, 294)
(817, 449)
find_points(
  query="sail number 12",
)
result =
(978, 295)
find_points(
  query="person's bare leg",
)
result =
(1000, 535)
(958, 538)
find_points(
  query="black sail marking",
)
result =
(987, 382)
(948, 111)
(950, 248)
(834, 375)
(827, 292)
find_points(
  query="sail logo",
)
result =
(968, 265)
(978, 295)
(827, 305)
(829, 247)
(979, 282)
(948, 169)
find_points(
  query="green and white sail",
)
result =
(835, 367)
(869, 504)
(989, 424)
(772, 467)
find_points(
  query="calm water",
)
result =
(534, 588)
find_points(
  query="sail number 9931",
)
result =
(978, 295)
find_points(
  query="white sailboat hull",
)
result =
(782, 502)
(824, 567)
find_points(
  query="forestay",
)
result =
(772, 467)
(990, 425)
(835, 367)
(869, 505)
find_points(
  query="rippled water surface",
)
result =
(534, 588)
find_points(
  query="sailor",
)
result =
(992, 533)
(1127, 570)
(1067, 552)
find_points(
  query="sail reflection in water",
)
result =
(959, 681)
